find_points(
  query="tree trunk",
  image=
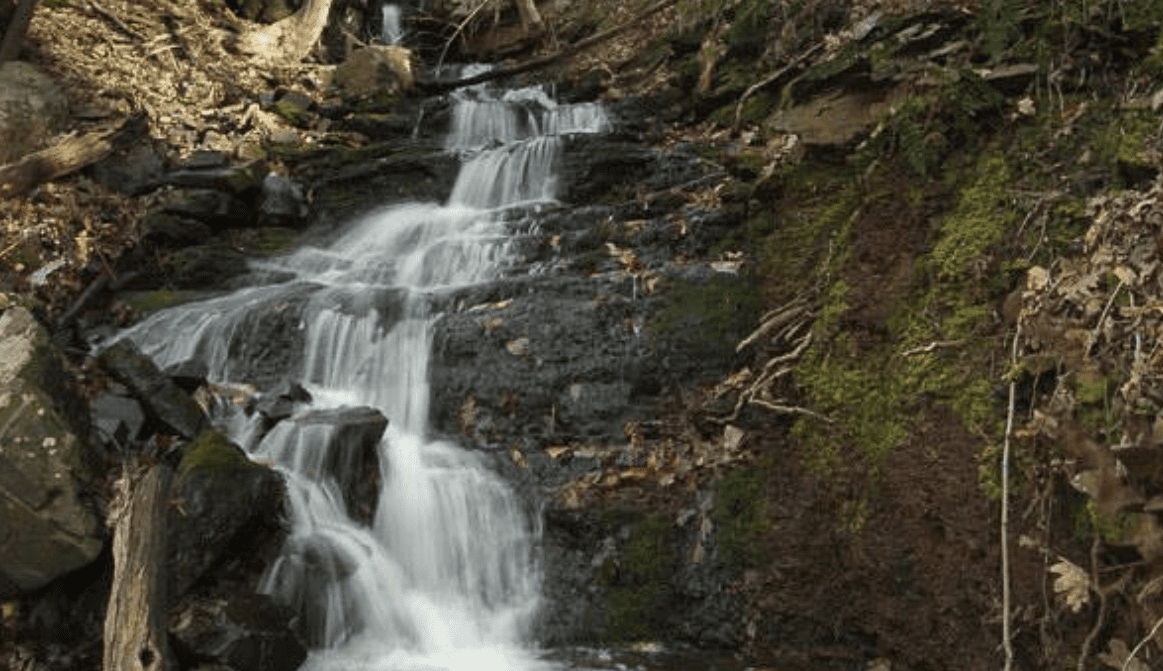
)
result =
(135, 621)
(291, 39)
(17, 27)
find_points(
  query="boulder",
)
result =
(245, 631)
(224, 505)
(205, 266)
(46, 530)
(375, 71)
(163, 399)
(132, 170)
(165, 230)
(32, 109)
(216, 209)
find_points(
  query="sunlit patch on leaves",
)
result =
(1072, 584)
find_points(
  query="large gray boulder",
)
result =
(46, 530)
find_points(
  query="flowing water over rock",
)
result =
(445, 573)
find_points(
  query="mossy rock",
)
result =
(224, 505)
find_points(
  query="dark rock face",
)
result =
(164, 400)
(225, 505)
(244, 632)
(117, 418)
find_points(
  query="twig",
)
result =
(932, 346)
(1143, 642)
(1101, 604)
(1007, 634)
(1094, 335)
(456, 33)
(791, 410)
(779, 318)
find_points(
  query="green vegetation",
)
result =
(160, 299)
(741, 516)
(638, 594)
(212, 451)
(704, 318)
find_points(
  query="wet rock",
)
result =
(46, 529)
(117, 419)
(169, 231)
(375, 71)
(558, 363)
(246, 632)
(279, 403)
(350, 438)
(163, 399)
(224, 505)
(188, 375)
(32, 109)
(205, 267)
(216, 209)
(242, 181)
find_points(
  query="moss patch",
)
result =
(741, 516)
(639, 598)
(212, 451)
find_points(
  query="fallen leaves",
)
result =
(1072, 584)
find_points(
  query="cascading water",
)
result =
(391, 30)
(444, 576)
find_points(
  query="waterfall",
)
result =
(391, 31)
(445, 574)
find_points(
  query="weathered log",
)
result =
(135, 620)
(66, 156)
(544, 61)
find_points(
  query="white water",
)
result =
(391, 30)
(445, 577)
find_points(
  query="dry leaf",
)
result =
(1072, 583)
(1116, 657)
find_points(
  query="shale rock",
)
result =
(163, 399)
(46, 529)
(224, 505)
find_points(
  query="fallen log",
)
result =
(135, 620)
(437, 87)
(67, 156)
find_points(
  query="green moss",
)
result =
(289, 111)
(638, 592)
(1090, 387)
(1089, 520)
(982, 214)
(273, 240)
(705, 318)
(741, 516)
(160, 299)
(212, 451)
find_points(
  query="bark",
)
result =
(17, 27)
(68, 155)
(291, 39)
(135, 620)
